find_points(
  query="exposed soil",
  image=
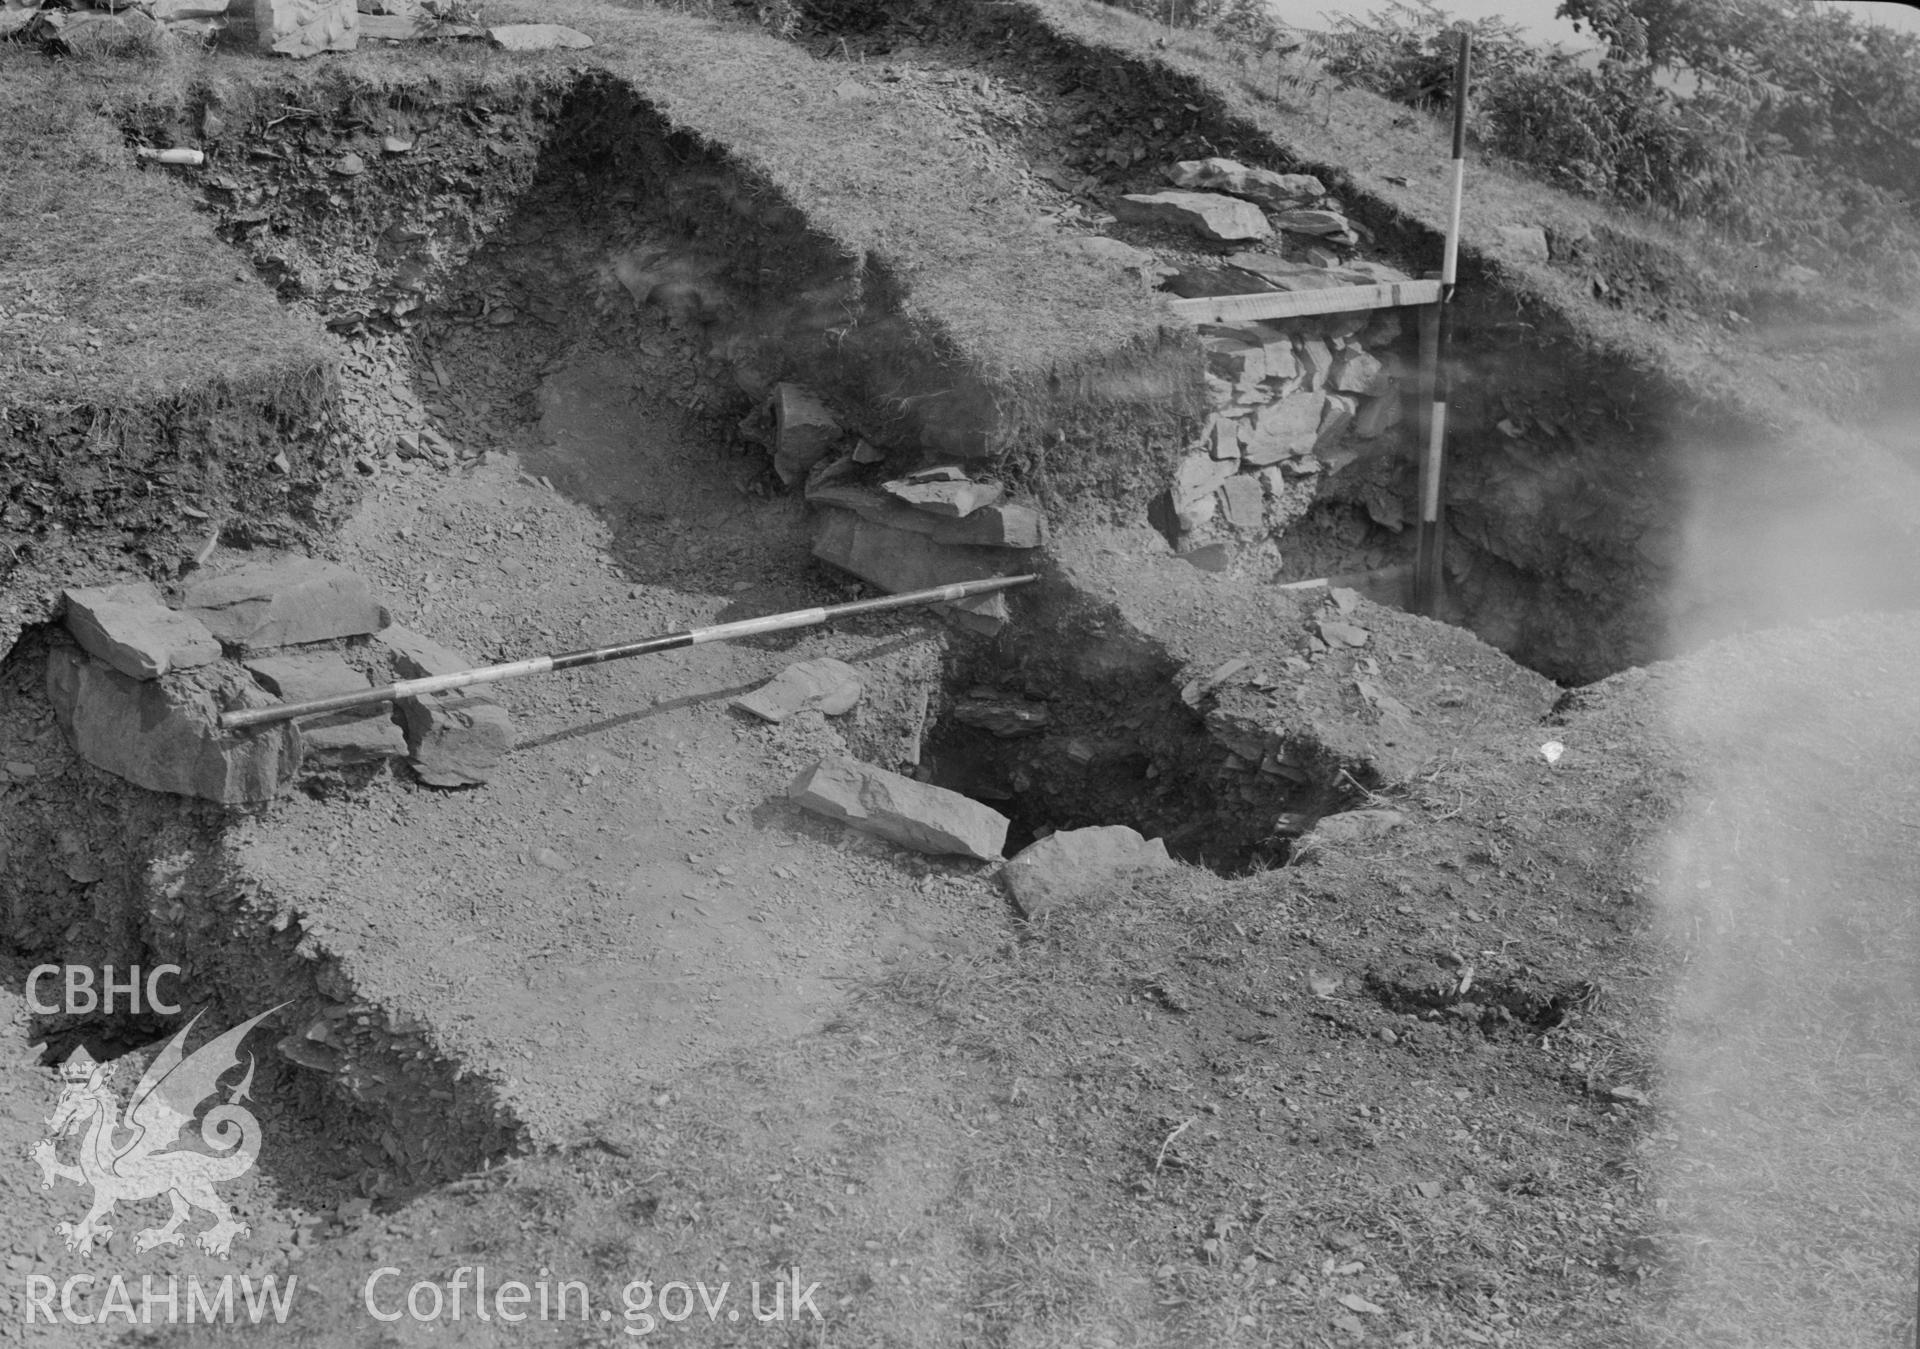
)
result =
(1607, 1043)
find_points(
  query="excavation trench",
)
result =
(556, 272)
(577, 195)
(538, 205)
(1564, 534)
(354, 1100)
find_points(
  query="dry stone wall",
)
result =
(1294, 402)
(141, 685)
(1291, 402)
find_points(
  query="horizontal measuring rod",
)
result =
(568, 660)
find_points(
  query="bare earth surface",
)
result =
(1611, 1042)
(632, 895)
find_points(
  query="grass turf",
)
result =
(882, 179)
(116, 292)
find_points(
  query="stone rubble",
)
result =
(929, 528)
(84, 32)
(1318, 224)
(912, 814)
(453, 739)
(898, 559)
(1003, 525)
(913, 531)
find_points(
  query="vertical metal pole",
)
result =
(1428, 559)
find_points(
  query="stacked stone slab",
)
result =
(934, 527)
(1225, 202)
(359, 735)
(141, 688)
(927, 529)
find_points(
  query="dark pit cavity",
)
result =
(1077, 721)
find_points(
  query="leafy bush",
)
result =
(1789, 127)
(1407, 52)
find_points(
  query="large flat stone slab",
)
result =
(1198, 473)
(304, 676)
(1277, 271)
(161, 735)
(347, 737)
(1282, 190)
(830, 686)
(1079, 867)
(1319, 223)
(899, 559)
(1243, 502)
(414, 655)
(913, 814)
(131, 629)
(284, 601)
(955, 498)
(1006, 524)
(1211, 215)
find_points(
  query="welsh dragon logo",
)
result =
(133, 1157)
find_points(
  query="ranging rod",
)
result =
(1429, 559)
(568, 660)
